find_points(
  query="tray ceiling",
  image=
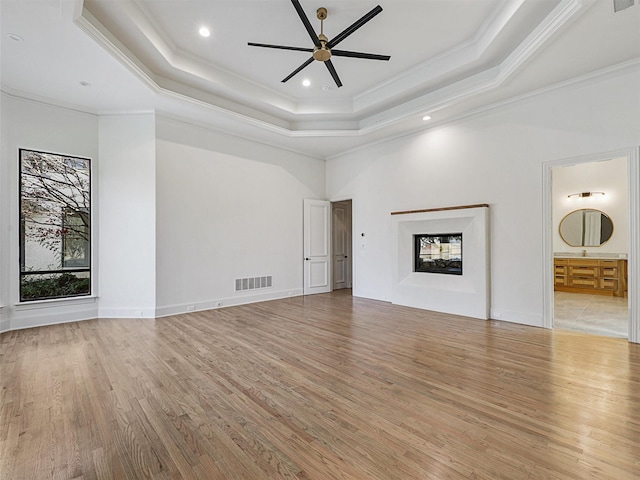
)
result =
(448, 57)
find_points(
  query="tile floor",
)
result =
(597, 314)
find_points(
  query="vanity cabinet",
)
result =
(591, 275)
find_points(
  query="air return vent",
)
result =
(251, 283)
(619, 5)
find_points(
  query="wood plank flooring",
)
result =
(317, 388)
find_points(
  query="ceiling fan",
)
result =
(323, 47)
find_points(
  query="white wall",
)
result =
(37, 126)
(127, 216)
(493, 158)
(182, 211)
(177, 215)
(227, 208)
(606, 176)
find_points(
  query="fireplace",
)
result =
(432, 269)
(438, 253)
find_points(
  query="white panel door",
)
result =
(317, 255)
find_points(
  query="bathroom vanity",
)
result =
(601, 276)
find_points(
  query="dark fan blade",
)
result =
(368, 56)
(281, 47)
(305, 21)
(349, 30)
(333, 72)
(297, 70)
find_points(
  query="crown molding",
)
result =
(240, 99)
(591, 78)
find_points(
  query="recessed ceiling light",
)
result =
(204, 32)
(426, 117)
(15, 37)
(306, 82)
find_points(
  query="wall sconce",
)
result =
(585, 194)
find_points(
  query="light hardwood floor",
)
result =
(321, 387)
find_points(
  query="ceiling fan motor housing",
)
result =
(322, 53)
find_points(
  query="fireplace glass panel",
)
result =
(439, 253)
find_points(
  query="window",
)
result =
(55, 226)
(75, 241)
(441, 253)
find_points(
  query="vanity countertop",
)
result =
(611, 256)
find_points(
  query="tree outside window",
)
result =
(55, 226)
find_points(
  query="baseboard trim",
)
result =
(20, 321)
(183, 308)
(520, 318)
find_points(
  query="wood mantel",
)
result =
(442, 209)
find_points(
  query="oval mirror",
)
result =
(586, 228)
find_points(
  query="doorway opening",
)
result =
(591, 274)
(327, 249)
(590, 204)
(341, 245)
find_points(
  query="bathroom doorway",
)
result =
(590, 205)
(591, 227)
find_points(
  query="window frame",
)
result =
(22, 237)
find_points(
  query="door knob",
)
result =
(346, 256)
(307, 258)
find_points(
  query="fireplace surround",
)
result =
(465, 293)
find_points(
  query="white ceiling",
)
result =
(448, 59)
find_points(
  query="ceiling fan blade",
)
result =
(356, 25)
(368, 56)
(297, 70)
(281, 47)
(305, 21)
(333, 72)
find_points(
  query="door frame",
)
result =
(633, 258)
(353, 239)
(351, 243)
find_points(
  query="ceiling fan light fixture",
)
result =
(321, 54)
